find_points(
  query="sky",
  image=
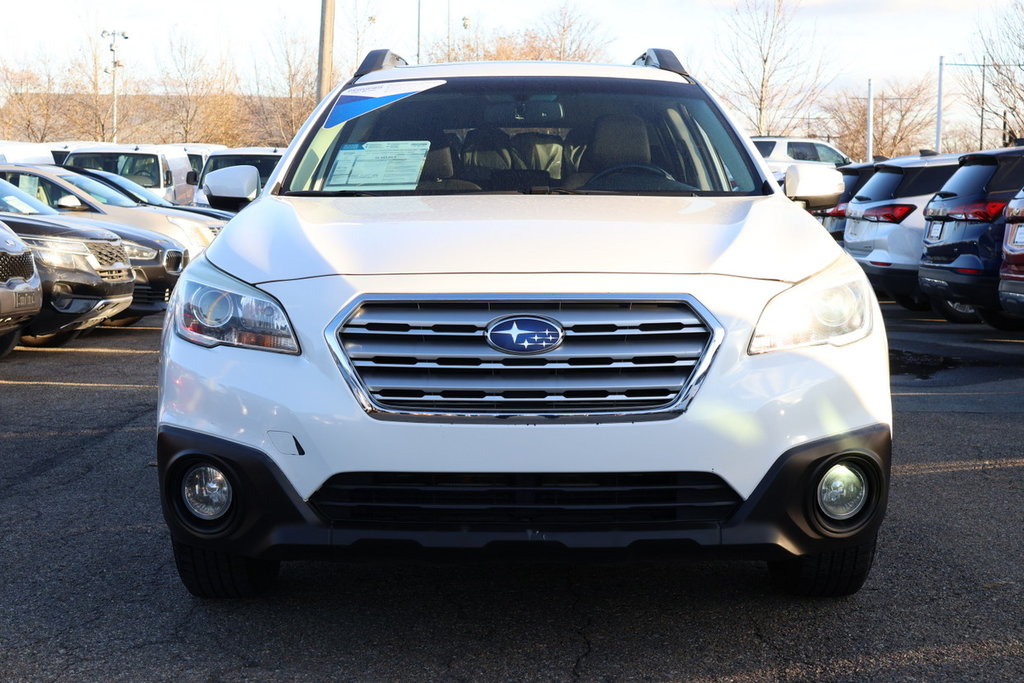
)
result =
(876, 39)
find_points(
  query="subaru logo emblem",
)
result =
(525, 334)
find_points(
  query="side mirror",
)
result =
(168, 178)
(816, 186)
(192, 178)
(232, 188)
(70, 202)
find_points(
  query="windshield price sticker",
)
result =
(381, 165)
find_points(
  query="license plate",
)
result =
(1018, 236)
(25, 299)
(935, 231)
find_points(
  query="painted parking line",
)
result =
(65, 349)
(77, 432)
(957, 466)
(90, 385)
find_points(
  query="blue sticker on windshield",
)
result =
(363, 99)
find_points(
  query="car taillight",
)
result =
(1015, 211)
(890, 213)
(985, 212)
(837, 211)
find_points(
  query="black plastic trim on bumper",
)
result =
(1011, 296)
(894, 281)
(976, 290)
(775, 522)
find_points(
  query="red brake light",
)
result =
(890, 213)
(985, 212)
(837, 211)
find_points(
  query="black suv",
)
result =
(963, 238)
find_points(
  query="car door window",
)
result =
(802, 151)
(42, 189)
(826, 153)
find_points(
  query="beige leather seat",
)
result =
(539, 152)
(438, 172)
(618, 139)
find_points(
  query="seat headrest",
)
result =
(619, 139)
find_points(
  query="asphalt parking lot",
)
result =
(90, 590)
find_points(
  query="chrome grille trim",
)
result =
(16, 266)
(108, 254)
(626, 357)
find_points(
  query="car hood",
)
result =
(285, 238)
(53, 226)
(145, 237)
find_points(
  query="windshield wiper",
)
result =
(329, 193)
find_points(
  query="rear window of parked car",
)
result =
(889, 183)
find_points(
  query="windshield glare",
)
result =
(536, 135)
(15, 200)
(98, 191)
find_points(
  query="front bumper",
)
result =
(87, 300)
(270, 520)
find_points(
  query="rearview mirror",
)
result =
(191, 178)
(232, 188)
(816, 186)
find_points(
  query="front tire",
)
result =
(213, 574)
(955, 313)
(50, 340)
(831, 574)
(8, 342)
(1001, 320)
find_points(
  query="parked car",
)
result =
(164, 169)
(264, 159)
(156, 259)
(25, 152)
(71, 193)
(139, 194)
(1011, 272)
(455, 367)
(833, 218)
(85, 274)
(21, 294)
(198, 152)
(60, 150)
(885, 226)
(783, 152)
(963, 242)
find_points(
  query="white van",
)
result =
(164, 169)
(264, 159)
(198, 152)
(24, 153)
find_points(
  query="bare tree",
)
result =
(198, 102)
(996, 86)
(33, 100)
(283, 98)
(565, 34)
(773, 74)
(904, 114)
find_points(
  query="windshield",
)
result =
(133, 190)
(264, 163)
(104, 194)
(143, 169)
(536, 135)
(14, 200)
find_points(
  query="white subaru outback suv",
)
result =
(523, 306)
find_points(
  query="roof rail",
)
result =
(661, 58)
(378, 59)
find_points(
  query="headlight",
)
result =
(139, 252)
(198, 234)
(832, 307)
(57, 252)
(210, 308)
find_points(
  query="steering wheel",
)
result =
(648, 169)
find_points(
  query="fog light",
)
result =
(206, 492)
(843, 491)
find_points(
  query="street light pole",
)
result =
(871, 124)
(325, 63)
(938, 110)
(114, 66)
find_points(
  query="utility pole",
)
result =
(114, 66)
(325, 64)
(938, 111)
(871, 123)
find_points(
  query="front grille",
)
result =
(432, 357)
(147, 294)
(108, 253)
(543, 502)
(116, 274)
(16, 266)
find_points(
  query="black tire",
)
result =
(827, 575)
(212, 574)
(912, 303)
(50, 340)
(122, 322)
(954, 312)
(8, 342)
(1001, 320)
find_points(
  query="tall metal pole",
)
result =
(114, 66)
(871, 123)
(981, 128)
(325, 65)
(938, 110)
(419, 21)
